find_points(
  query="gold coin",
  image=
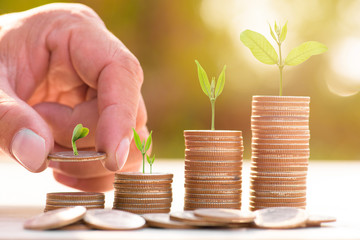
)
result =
(212, 191)
(278, 194)
(188, 217)
(75, 196)
(108, 219)
(55, 219)
(282, 217)
(213, 145)
(220, 133)
(213, 186)
(142, 187)
(190, 205)
(143, 176)
(280, 146)
(213, 163)
(57, 206)
(260, 168)
(279, 141)
(220, 153)
(214, 158)
(225, 215)
(213, 200)
(209, 178)
(217, 169)
(280, 174)
(76, 203)
(142, 205)
(281, 98)
(143, 195)
(213, 196)
(144, 210)
(83, 156)
(161, 220)
(142, 191)
(216, 182)
(273, 187)
(142, 200)
(277, 204)
(317, 220)
(276, 179)
(198, 173)
(136, 181)
(259, 200)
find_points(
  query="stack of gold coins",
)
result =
(89, 200)
(280, 151)
(143, 193)
(213, 164)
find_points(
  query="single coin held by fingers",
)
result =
(84, 156)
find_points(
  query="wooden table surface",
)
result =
(333, 189)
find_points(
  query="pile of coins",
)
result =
(213, 165)
(280, 151)
(143, 193)
(89, 200)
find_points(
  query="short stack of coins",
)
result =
(213, 165)
(280, 151)
(143, 193)
(90, 200)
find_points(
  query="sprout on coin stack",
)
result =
(280, 128)
(68, 199)
(140, 192)
(213, 158)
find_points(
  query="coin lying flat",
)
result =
(83, 156)
(55, 219)
(225, 215)
(190, 218)
(162, 220)
(280, 217)
(108, 219)
(317, 220)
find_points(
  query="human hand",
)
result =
(60, 66)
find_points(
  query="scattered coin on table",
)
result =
(317, 220)
(108, 219)
(55, 219)
(188, 217)
(281, 217)
(225, 215)
(162, 220)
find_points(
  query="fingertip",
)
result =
(117, 161)
(30, 150)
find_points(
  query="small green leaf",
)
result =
(283, 32)
(77, 132)
(220, 83)
(150, 160)
(148, 142)
(272, 33)
(203, 79)
(304, 51)
(137, 140)
(259, 46)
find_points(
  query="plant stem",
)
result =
(281, 66)
(150, 168)
(75, 148)
(212, 114)
(143, 154)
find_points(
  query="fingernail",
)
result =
(122, 152)
(29, 149)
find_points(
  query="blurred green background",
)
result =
(166, 36)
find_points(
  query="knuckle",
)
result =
(132, 65)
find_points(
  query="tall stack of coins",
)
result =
(90, 200)
(280, 151)
(143, 193)
(213, 164)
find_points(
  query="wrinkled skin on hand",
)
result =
(60, 66)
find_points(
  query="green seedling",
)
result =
(79, 132)
(265, 52)
(142, 146)
(150, 161)
(213, 89)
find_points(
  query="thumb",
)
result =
(25, 136)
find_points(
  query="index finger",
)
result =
(104, 63)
